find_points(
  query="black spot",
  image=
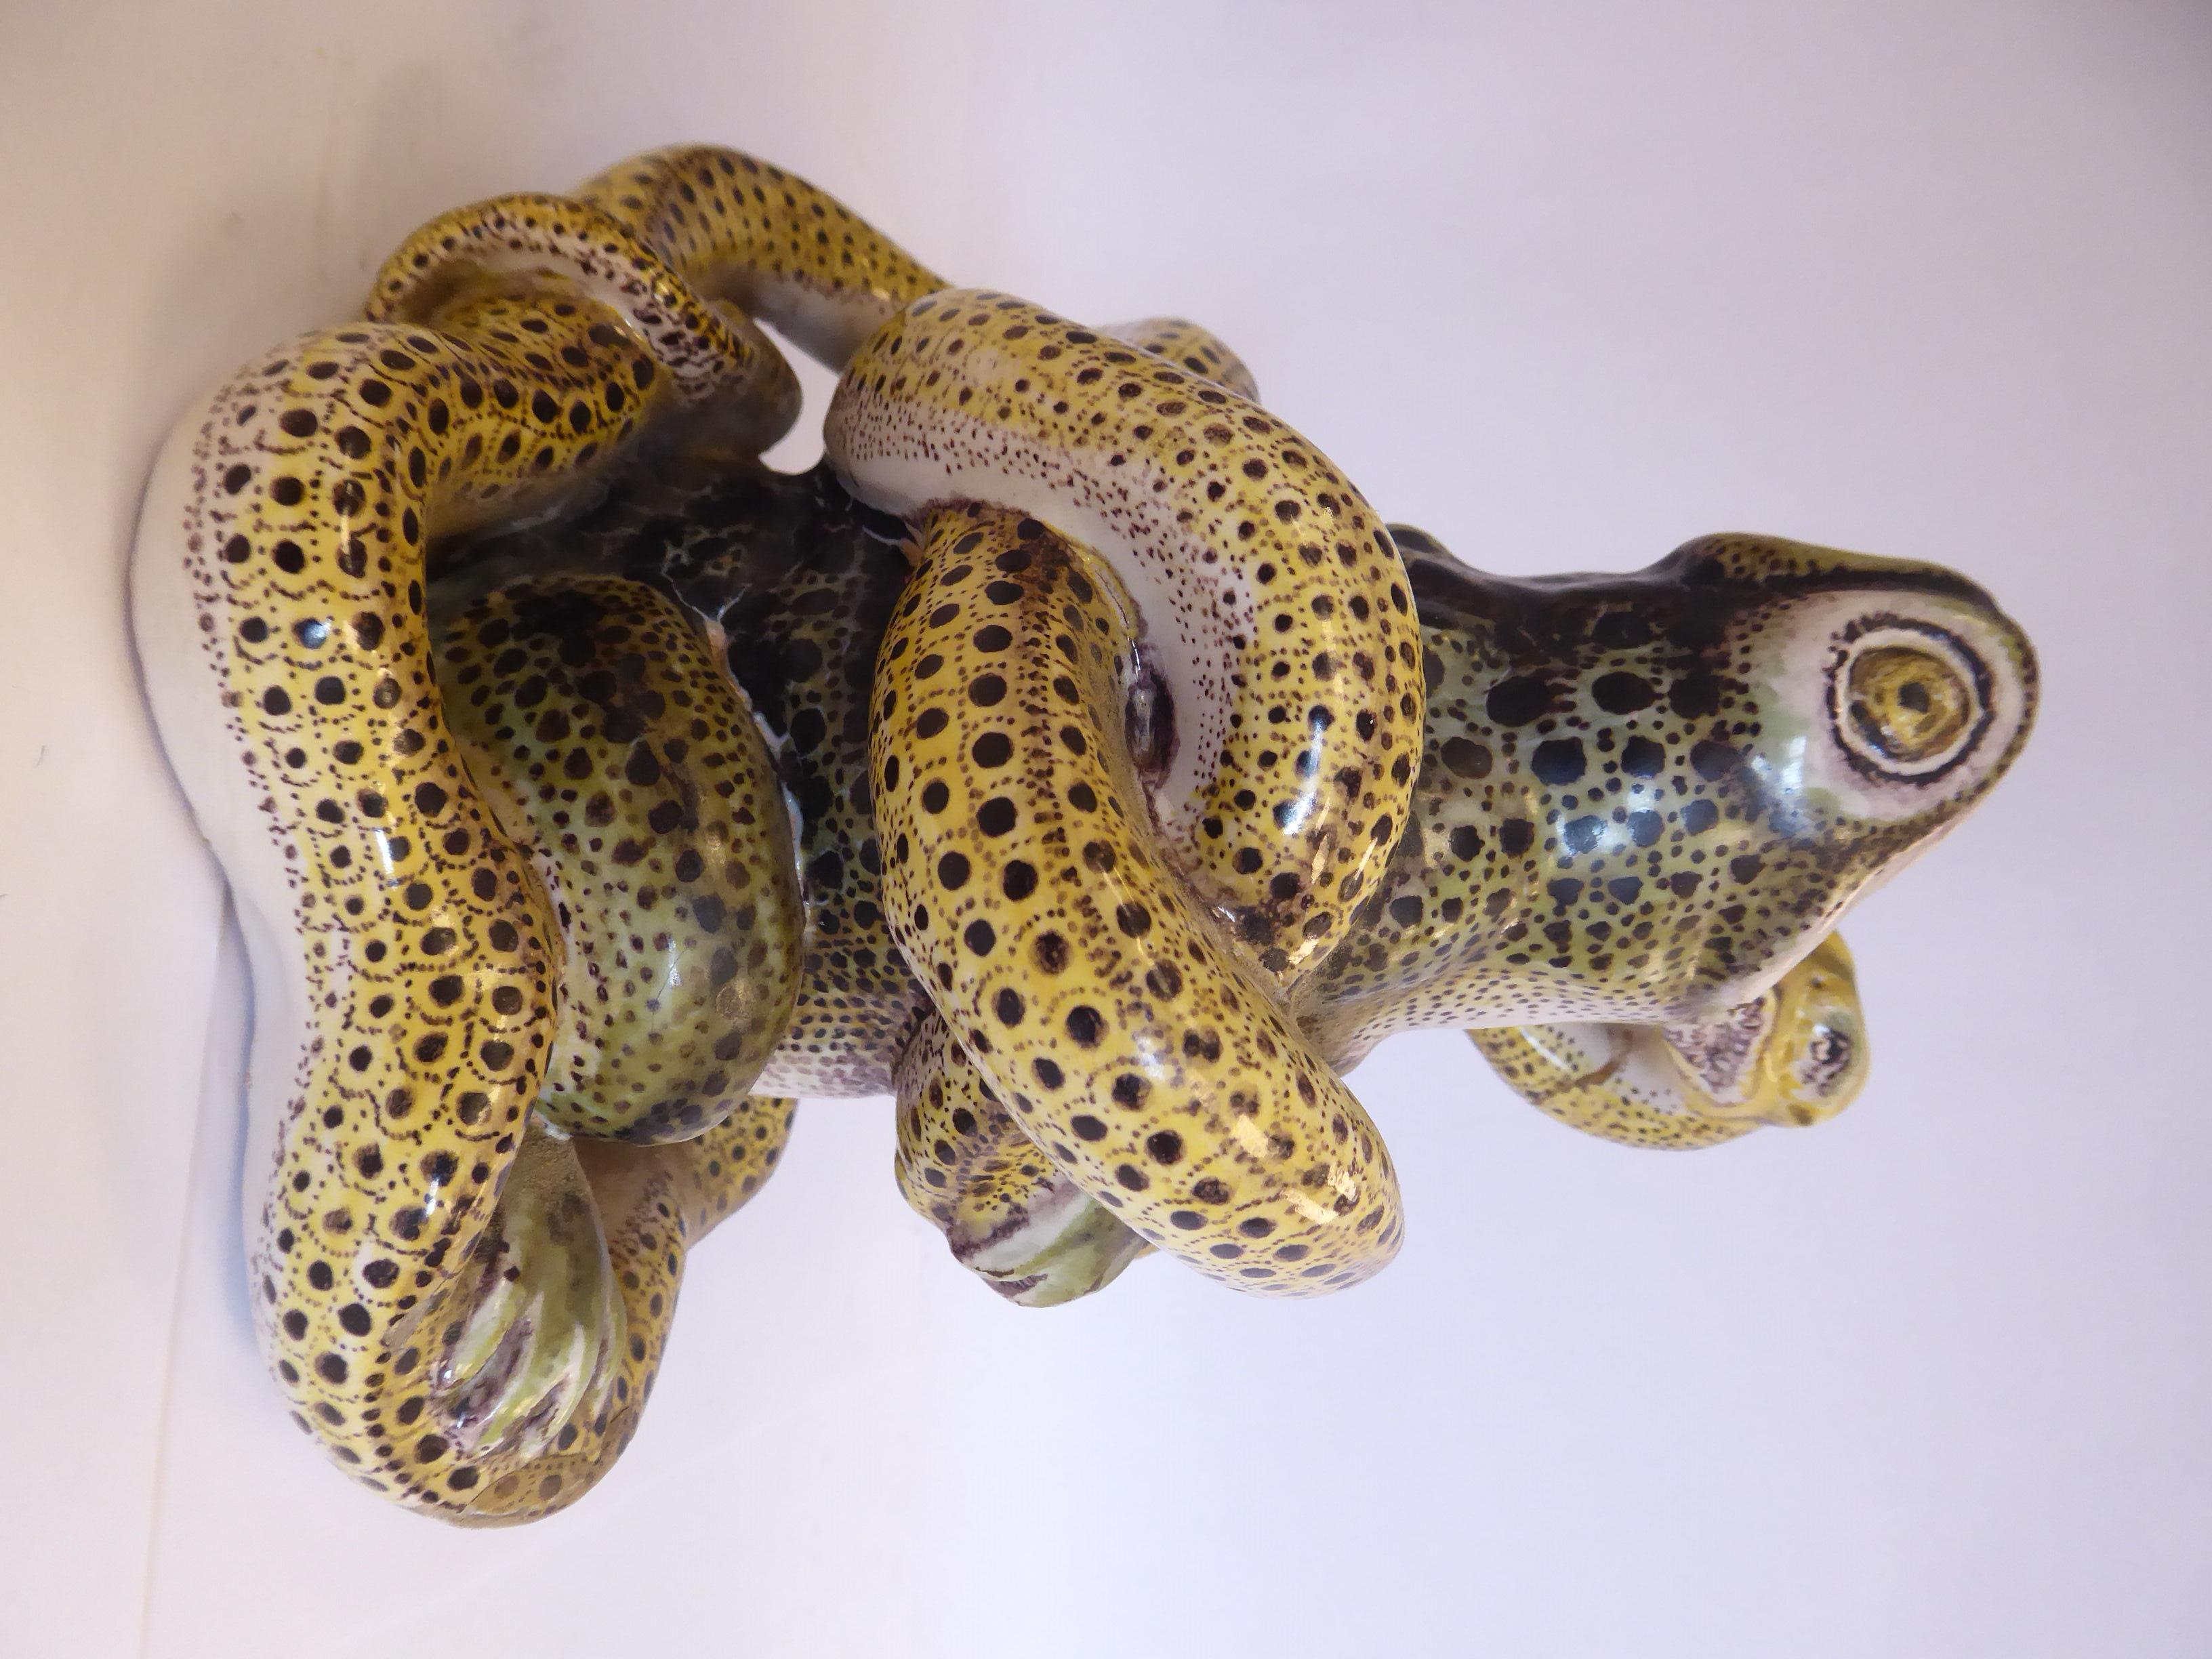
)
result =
(1713, 761)
(1694, 696)
(1623, 693)
(1640, 757)
(1559, 760)
(1520, 700)
(1467, 758)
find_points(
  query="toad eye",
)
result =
(1908, 701)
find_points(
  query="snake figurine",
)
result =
(1075, 754)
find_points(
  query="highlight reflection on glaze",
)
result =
(1075, 754)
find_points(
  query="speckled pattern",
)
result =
(799, 582)
(542, 246)
(766, 242)
(609, 746)
(1023, 872)
(1643, 798)
(401, 944)
(1177, 787)
(1274, 605)
(1795, 1054)
(1010, 1216)
(721, 532)
(1188, 346)
(428, 956)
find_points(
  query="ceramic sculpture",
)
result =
(1075, 754)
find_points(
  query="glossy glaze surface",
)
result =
(1139, 781)
(407, 965)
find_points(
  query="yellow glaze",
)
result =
(610, 744)
(1008, 1214)
(1271, 602)
(1643, 798)
(1188, 346)
(1023, 876)
(407, 966)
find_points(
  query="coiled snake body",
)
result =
(1076, 753)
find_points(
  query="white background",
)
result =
(1565, 285)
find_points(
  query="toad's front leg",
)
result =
(544, 1354)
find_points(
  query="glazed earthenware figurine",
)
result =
(1075, 754)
